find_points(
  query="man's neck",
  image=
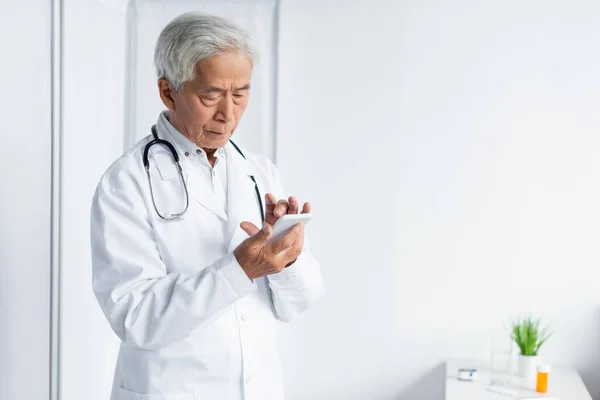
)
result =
(210, 155)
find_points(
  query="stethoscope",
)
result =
(166, 143)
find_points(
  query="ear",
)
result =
(167, 93)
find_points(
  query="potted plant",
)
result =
(529, 336)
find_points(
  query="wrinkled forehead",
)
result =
(229, 70)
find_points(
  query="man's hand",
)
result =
(258, 259)
(275, 209)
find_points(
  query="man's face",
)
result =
(208, 108)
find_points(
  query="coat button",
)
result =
(244, 317)
(248, 379)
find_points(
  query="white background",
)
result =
(449, 149)
(94, 109)
(25, 199)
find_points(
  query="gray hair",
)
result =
(192, 38)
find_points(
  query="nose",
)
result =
(225, 109)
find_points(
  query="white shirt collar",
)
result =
(185, 145)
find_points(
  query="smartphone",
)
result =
(287, 222)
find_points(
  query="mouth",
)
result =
(216, 133)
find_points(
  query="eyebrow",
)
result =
(214, 89)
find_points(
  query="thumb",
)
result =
(249, 228)
(252, 230)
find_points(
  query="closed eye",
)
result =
(209, 101)
(210, 96)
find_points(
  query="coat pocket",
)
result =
(127, 395)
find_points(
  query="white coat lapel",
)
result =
(200, 190)
(242, 201)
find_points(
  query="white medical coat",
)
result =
(192, 325)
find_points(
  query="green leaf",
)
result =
(528, 335)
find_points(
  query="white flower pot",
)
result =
(528, 365)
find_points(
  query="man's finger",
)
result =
(249, 228)
(291, 253)
(281, 208)
(289, 256)
(306, 208)
(270, 201)
(260, 234)
(292, 236)
(292, 205)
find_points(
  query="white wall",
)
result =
(450, 152)
(94, 98)
(25, 200)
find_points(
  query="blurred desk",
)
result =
(563, 383)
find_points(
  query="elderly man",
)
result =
(181, 269)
